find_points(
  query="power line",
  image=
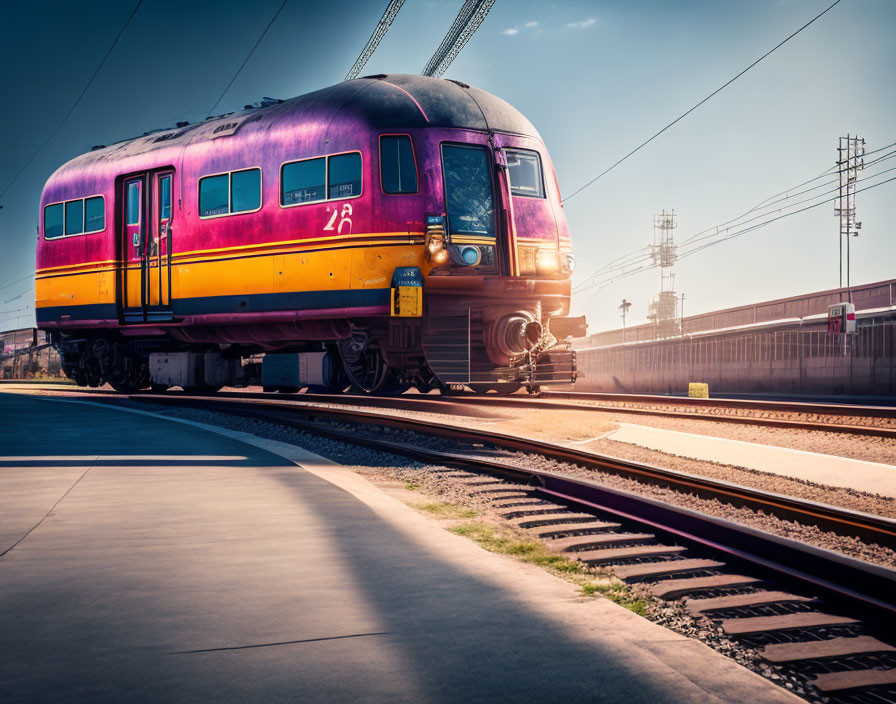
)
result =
(695, 238)
(75, 104)
(18, 281)
(378, 33)
(638, 256)
(19, 295)
(786, 198)
(688, 112)
(472, 13)
(243, 65)
(785, 215)
(603, 284)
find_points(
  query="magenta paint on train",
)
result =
(297, 129)
(350, 117)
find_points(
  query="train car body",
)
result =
(410, 228)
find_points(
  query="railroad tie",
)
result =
(560, 530)
(599, 557)
(560, 516)
(580, 543)
(830, 682)
(546, 509)
(763, 624)
(677, 588)
(522, 502)
(696, 607)
(499, 493)
(819, 649)
(646, 570)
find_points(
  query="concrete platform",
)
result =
(829, 470)
(153, 560)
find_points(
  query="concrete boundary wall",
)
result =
(770, 361)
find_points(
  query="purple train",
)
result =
(384, 232)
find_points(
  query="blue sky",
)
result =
(596, 78)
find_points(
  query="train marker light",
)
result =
(435, 249)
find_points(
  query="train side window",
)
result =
(245, 190)
(344, 175)
(74, 217)
(214, 195)
(133, 203)
(524, 171)
(53, 221)
(94, 214)
(303, 181)
(165, 198)
(398, 167)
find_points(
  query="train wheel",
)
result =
(127, 371)
(366, 369)
(500, 389)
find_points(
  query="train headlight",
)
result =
(471, 255)
(547, 261)
(435, 249)
(570, 263)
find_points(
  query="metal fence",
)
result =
(27, 354)
(804, 361)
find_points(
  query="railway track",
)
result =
(809, 613)
(872, 421)
(821, 617)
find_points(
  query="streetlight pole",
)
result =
(624, 306)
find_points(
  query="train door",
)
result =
(158, 261)
(146, 246)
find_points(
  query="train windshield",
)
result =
(468, 190)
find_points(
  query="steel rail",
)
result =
(407, 402)
(861, 585)
(552, 401)
(839, 520)
(840, 409)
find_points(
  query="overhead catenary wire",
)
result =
(17, 281)
(375, 38)
(248, 56)
(625, 274)
(637, 256)
(75, 104)
(471, 14)
(708, 97)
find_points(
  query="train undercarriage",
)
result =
(461, 342)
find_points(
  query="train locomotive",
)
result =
(389, 231)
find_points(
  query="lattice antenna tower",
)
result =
(850, 160)
(378, 33)
(471, 15)
(663, 310)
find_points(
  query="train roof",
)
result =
(394, 101)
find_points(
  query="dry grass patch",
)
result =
(445, 510)
(504, 540)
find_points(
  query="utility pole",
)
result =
(663, 310)
(624, 306)
(850, 160)
(681, 314)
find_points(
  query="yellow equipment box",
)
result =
(697, 390)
